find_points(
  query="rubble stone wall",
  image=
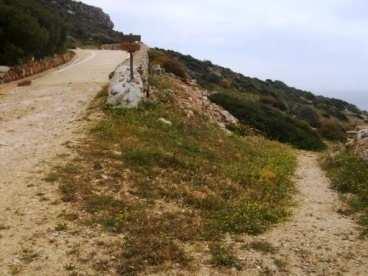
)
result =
(116, 46)
(124, 93)
(35, 67)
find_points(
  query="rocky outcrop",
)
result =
(359, 142)
(124, 93)
(86, 23)
(34, 67)
(194, 100)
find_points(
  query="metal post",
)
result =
(131, 66)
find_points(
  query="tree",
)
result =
(28, 30)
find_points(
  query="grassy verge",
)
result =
(168, 184)
(349, 175)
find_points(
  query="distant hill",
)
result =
(281, 112)
(85, 23)
(39, 28)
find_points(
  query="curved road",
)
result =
(35, 123)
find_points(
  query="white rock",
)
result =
(362, 134)
(166, 122)
(157, 69)
(3, 70)
(124, 93)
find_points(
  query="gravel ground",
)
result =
(37, 124)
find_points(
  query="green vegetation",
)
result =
(28, 30)
(261, 246)
(40, 28)
(282, 112)
(87, 25)
(168, 187)
(223, 256)
(349, 175)
(273, 123)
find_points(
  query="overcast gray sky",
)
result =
(317, 45)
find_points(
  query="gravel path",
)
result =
(37, 123)
(317, 240)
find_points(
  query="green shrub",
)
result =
(349, 175)
(246, 217)
(28, 30)
(332, 130)
(308, 114)
(273, 123)
(169, 63)
(222, 255)
(274, 94)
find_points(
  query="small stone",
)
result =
(164, 121)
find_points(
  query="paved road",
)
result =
(35, 122)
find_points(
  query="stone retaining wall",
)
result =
(116, 46)
(35, 67)
(124, 93)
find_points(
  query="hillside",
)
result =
(39, 28)
(281, 112)
(86, 24)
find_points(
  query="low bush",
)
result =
(332, 130)
(222, 255)
(169, 63)
(308, 114)
(349, 175)
(273, 123)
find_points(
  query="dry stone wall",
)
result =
(116, 46)
(124, 93)
(35, 67)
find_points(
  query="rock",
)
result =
(157, 69)
(25, 83)
(4, 69)
(164, 121)
(124, 93)
(362, 134)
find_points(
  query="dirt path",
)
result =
(37, 123)
(317, 240)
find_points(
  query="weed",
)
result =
(69, 267)
(222, 255)
(52, 177)
(349, 175)
(28, 256)
(261, 246)
(246, 217)
(68, 191)
(60, 227)
(3, 227)
(15, 269)
(281, 264)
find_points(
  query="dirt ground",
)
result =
(37, 124)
